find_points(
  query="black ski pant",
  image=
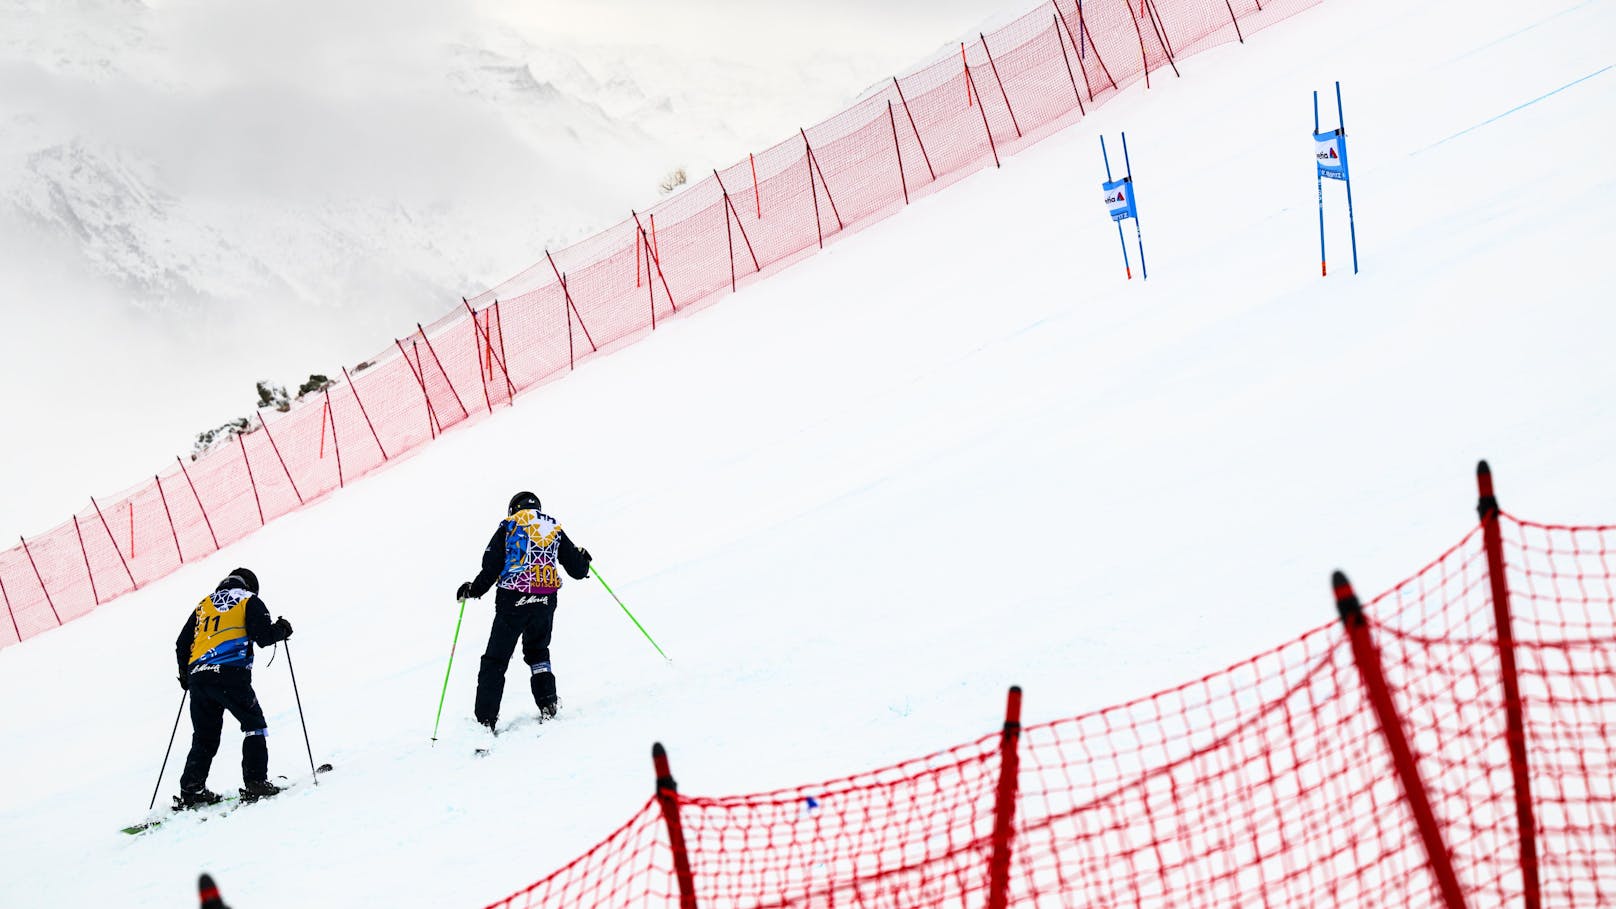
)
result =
(211, 695)
(528, 616)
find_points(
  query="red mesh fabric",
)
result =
(912, 136)
(1268, 783)
(1562, 583)
(630, 867)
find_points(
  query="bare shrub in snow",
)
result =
(272, 395)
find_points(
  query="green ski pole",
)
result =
(630, 615)
(452, 646)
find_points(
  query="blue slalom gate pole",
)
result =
(1341, 120)
(1126, 267)
(1138, 233)
(1324, 267)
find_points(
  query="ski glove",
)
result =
(185, 682)
(283, 628)
(585, 554)
(464, 593)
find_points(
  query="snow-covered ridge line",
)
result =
(1032, 77)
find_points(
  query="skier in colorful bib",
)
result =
(215, 654)
(525, 556)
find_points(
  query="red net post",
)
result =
(1083, 28)
(1515, 725)
(114, 541)
(35, 565)
(441, 371)
(571, 306)
(1367, 658)
(163, 497)
(199, 506)
(654, 260)
(1004, 804)
(808, 159)
(641, 244)
(566, 314)
(477, 355)
(729, 233)
(325, 413)
(756, 196)
(667, 796)
(485, 329)
(1236, 22)
(277, 449)
(431, 415)
(335, 444)
(966, 66)
(1067, 28)
(1065, 58)
(1143, 60)
(970, 79)
(1161, 36)
(253, 482)
(910, 114)
(84, 552)
(484, 342)
(995, 67)
(1562, 587)
(362, 412)
(896, 151)
(813, 161)
(499, 329)
(730, 204)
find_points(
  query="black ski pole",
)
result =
(312, 772)
(161, 770)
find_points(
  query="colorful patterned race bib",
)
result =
(532, 545)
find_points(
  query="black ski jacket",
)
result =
(572, 561)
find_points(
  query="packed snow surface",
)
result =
(954, 452)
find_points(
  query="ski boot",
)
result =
(259, 789)
(188, 799)
(549, 709)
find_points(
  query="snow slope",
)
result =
(853, 519)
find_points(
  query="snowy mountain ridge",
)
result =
(300, 182)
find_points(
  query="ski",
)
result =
(226, 805)
(517, 723)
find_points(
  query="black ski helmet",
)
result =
(523, 501)
(244, 577)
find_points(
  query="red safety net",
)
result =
(925, 130)
(1269, 783)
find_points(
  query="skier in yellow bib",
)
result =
(215, 653)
